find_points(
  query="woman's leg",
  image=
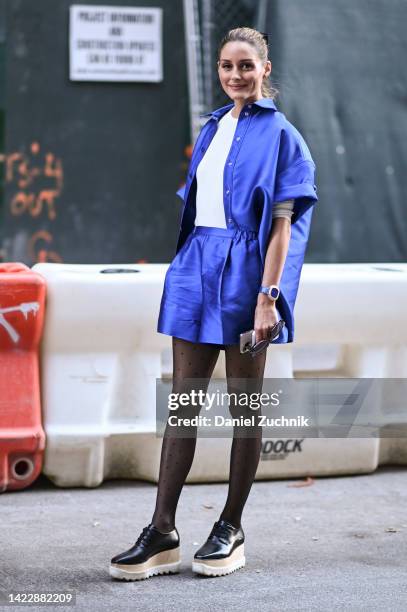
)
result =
(244, 374)
(190, 360)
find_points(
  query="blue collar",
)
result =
(263, 102)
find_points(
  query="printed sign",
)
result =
(115, 43)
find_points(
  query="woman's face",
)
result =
(241, 71)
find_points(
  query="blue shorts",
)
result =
(211, 286)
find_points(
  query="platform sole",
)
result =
(165, 562)
(220, 567)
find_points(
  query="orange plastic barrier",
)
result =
(22, 438)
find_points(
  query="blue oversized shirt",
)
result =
(269, 161)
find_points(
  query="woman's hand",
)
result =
(265, 317)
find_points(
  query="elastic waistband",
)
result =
(224, 232)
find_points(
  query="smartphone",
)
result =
(247, 340)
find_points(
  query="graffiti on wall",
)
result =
(35, 182)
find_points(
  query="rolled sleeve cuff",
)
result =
(301, 190)
(298, 183)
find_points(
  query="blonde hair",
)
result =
(257, 40)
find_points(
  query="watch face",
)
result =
(274, 293)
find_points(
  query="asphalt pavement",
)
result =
(339, 543)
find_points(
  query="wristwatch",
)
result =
(272, 291)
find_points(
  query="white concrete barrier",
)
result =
(359, 308)
(101, 355)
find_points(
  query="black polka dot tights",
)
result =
(244, 373)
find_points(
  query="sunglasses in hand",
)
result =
(248, 342)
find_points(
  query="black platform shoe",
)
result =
(223, 551)
(153, 553)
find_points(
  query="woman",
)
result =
(248, 201)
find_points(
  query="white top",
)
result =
(209, 175)
(210, 210)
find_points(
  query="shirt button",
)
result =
(249, 106)
(230, 220)
(246, 113)
(227, 190)
(230, 163)
(238, 138)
